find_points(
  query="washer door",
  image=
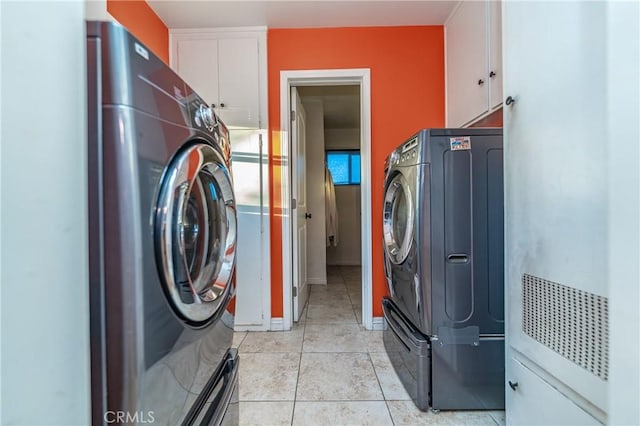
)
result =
(195, 234)
(398, 219)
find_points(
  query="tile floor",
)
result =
(330, 370)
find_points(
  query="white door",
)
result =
(299, 194)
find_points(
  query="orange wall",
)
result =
(142, 21)
(407, 94)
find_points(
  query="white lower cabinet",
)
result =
(530, 400)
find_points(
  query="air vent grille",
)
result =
(572, 322)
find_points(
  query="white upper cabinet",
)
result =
(225, 68)
(238, 82)
(197, 68)
(495, 54)
(473, 61)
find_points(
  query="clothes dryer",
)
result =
(162, 238)
(443, 254)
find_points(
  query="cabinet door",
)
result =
(495, 54)
(466, 41)
(197, 64)
(556, 194)
(239, 82)
(530, 400)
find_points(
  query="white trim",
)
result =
(361, 77)
(277, 324)
(205, 31)
(379, 324)
(317, 281)
(365, 201)
(251, 327)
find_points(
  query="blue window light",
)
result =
(344, 167)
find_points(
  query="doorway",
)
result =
(322, 80)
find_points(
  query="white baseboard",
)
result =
(241, 327)
(317, 281)
(277, 324)
(379, 324)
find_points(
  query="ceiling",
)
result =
(300, 14)
(340, 104)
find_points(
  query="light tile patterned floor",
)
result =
(329, 370)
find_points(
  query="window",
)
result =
(344, 167)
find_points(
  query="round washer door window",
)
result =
(398, 219)
(195, 228)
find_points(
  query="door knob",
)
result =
(222, 105)
(307, 215)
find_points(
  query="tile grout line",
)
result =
(375, 371)
(304, 330)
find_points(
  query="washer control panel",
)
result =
(406, 154)
(203, 117)
(206, 117)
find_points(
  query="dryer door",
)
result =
(398, 219)
(195, 234)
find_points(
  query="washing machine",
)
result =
(444, 264)
(162, 241)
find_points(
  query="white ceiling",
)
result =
(300, 14)
(341, 104)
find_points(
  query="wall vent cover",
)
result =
(572, 322)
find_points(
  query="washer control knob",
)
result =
(394, 158)
(208, 117)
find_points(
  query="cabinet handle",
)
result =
(513, 385)
(480, 82)
(213, 106)
(307, 215)
(222, 105)
(492, 74)
(509, 101)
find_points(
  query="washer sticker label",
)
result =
(460, 143)
(142, 51)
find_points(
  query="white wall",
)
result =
(44, 272)
(316, 226)
(252, 261)
(348, 251)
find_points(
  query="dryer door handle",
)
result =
(457, 258)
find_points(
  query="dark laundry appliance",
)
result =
(162, 241)
(443, 257)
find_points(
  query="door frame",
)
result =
(332, 77)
